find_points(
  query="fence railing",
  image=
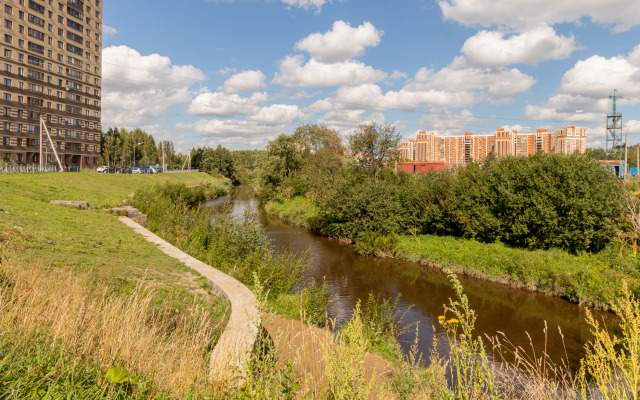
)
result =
(35, 168)
(180, 171)
(26, 168)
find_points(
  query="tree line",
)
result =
(538, 202)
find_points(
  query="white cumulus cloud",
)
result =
(525, 14)
(277, 114)
(221, 104)
(139, 89)
(295, 72)
(530, 47)
(306, 4)
(341, 43)
(245, 81)
(584, 89)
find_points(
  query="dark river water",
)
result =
(424, 291)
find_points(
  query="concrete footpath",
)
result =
(232, 352)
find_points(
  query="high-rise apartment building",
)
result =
(459, 150)
(50, 61)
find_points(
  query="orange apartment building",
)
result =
(459, 150)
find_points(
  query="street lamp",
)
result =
(134, 154)
(626, 136)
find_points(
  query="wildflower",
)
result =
(468, 314)
(440, 319)
(453, 321)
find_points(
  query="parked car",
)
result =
(136, 171)
(111, 170)
(103, 169)
(155, 170)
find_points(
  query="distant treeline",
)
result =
(118, 146)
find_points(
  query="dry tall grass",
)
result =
(128, 330)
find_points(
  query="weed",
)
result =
(614, 362)
(473, 375)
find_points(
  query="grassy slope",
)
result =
(28, 221)
(587, 279)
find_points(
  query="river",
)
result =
(425, 290)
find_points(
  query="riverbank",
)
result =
(109, 285)
(592, 280)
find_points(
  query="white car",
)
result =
(103, 169)
(136, 171)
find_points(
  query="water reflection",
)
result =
(424, 291)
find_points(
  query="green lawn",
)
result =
(91, 241)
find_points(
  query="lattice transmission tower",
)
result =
(614, 127)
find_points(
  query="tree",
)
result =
(288, 156)
(596, 154)
(375, 145)
(219, 160)
(312, 137)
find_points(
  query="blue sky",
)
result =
(239, 72)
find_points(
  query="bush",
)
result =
(239, 248)
(375, 244)
(537, 202)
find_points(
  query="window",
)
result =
(19, 113)
(8, 9)
(36, 7)
(20, 28)
(7, 82)
(6, 157)
(7, 38)
(7, 96)
(36, 47)
(20, 42)
(21, 14)
(8, 23)
(20, 57)
(7, 67)
(19, 127)
(6, 126)
(20, 98)
(6, 111)
(36, 20)
(19, 156)
(36, 61)
(74, 25)
(6, 141)
(7, 53)
(35, 34)
(75, 13)
(60, 19)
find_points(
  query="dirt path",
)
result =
(303, 346)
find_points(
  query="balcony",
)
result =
(76, 3)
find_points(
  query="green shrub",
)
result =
(376, 244)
